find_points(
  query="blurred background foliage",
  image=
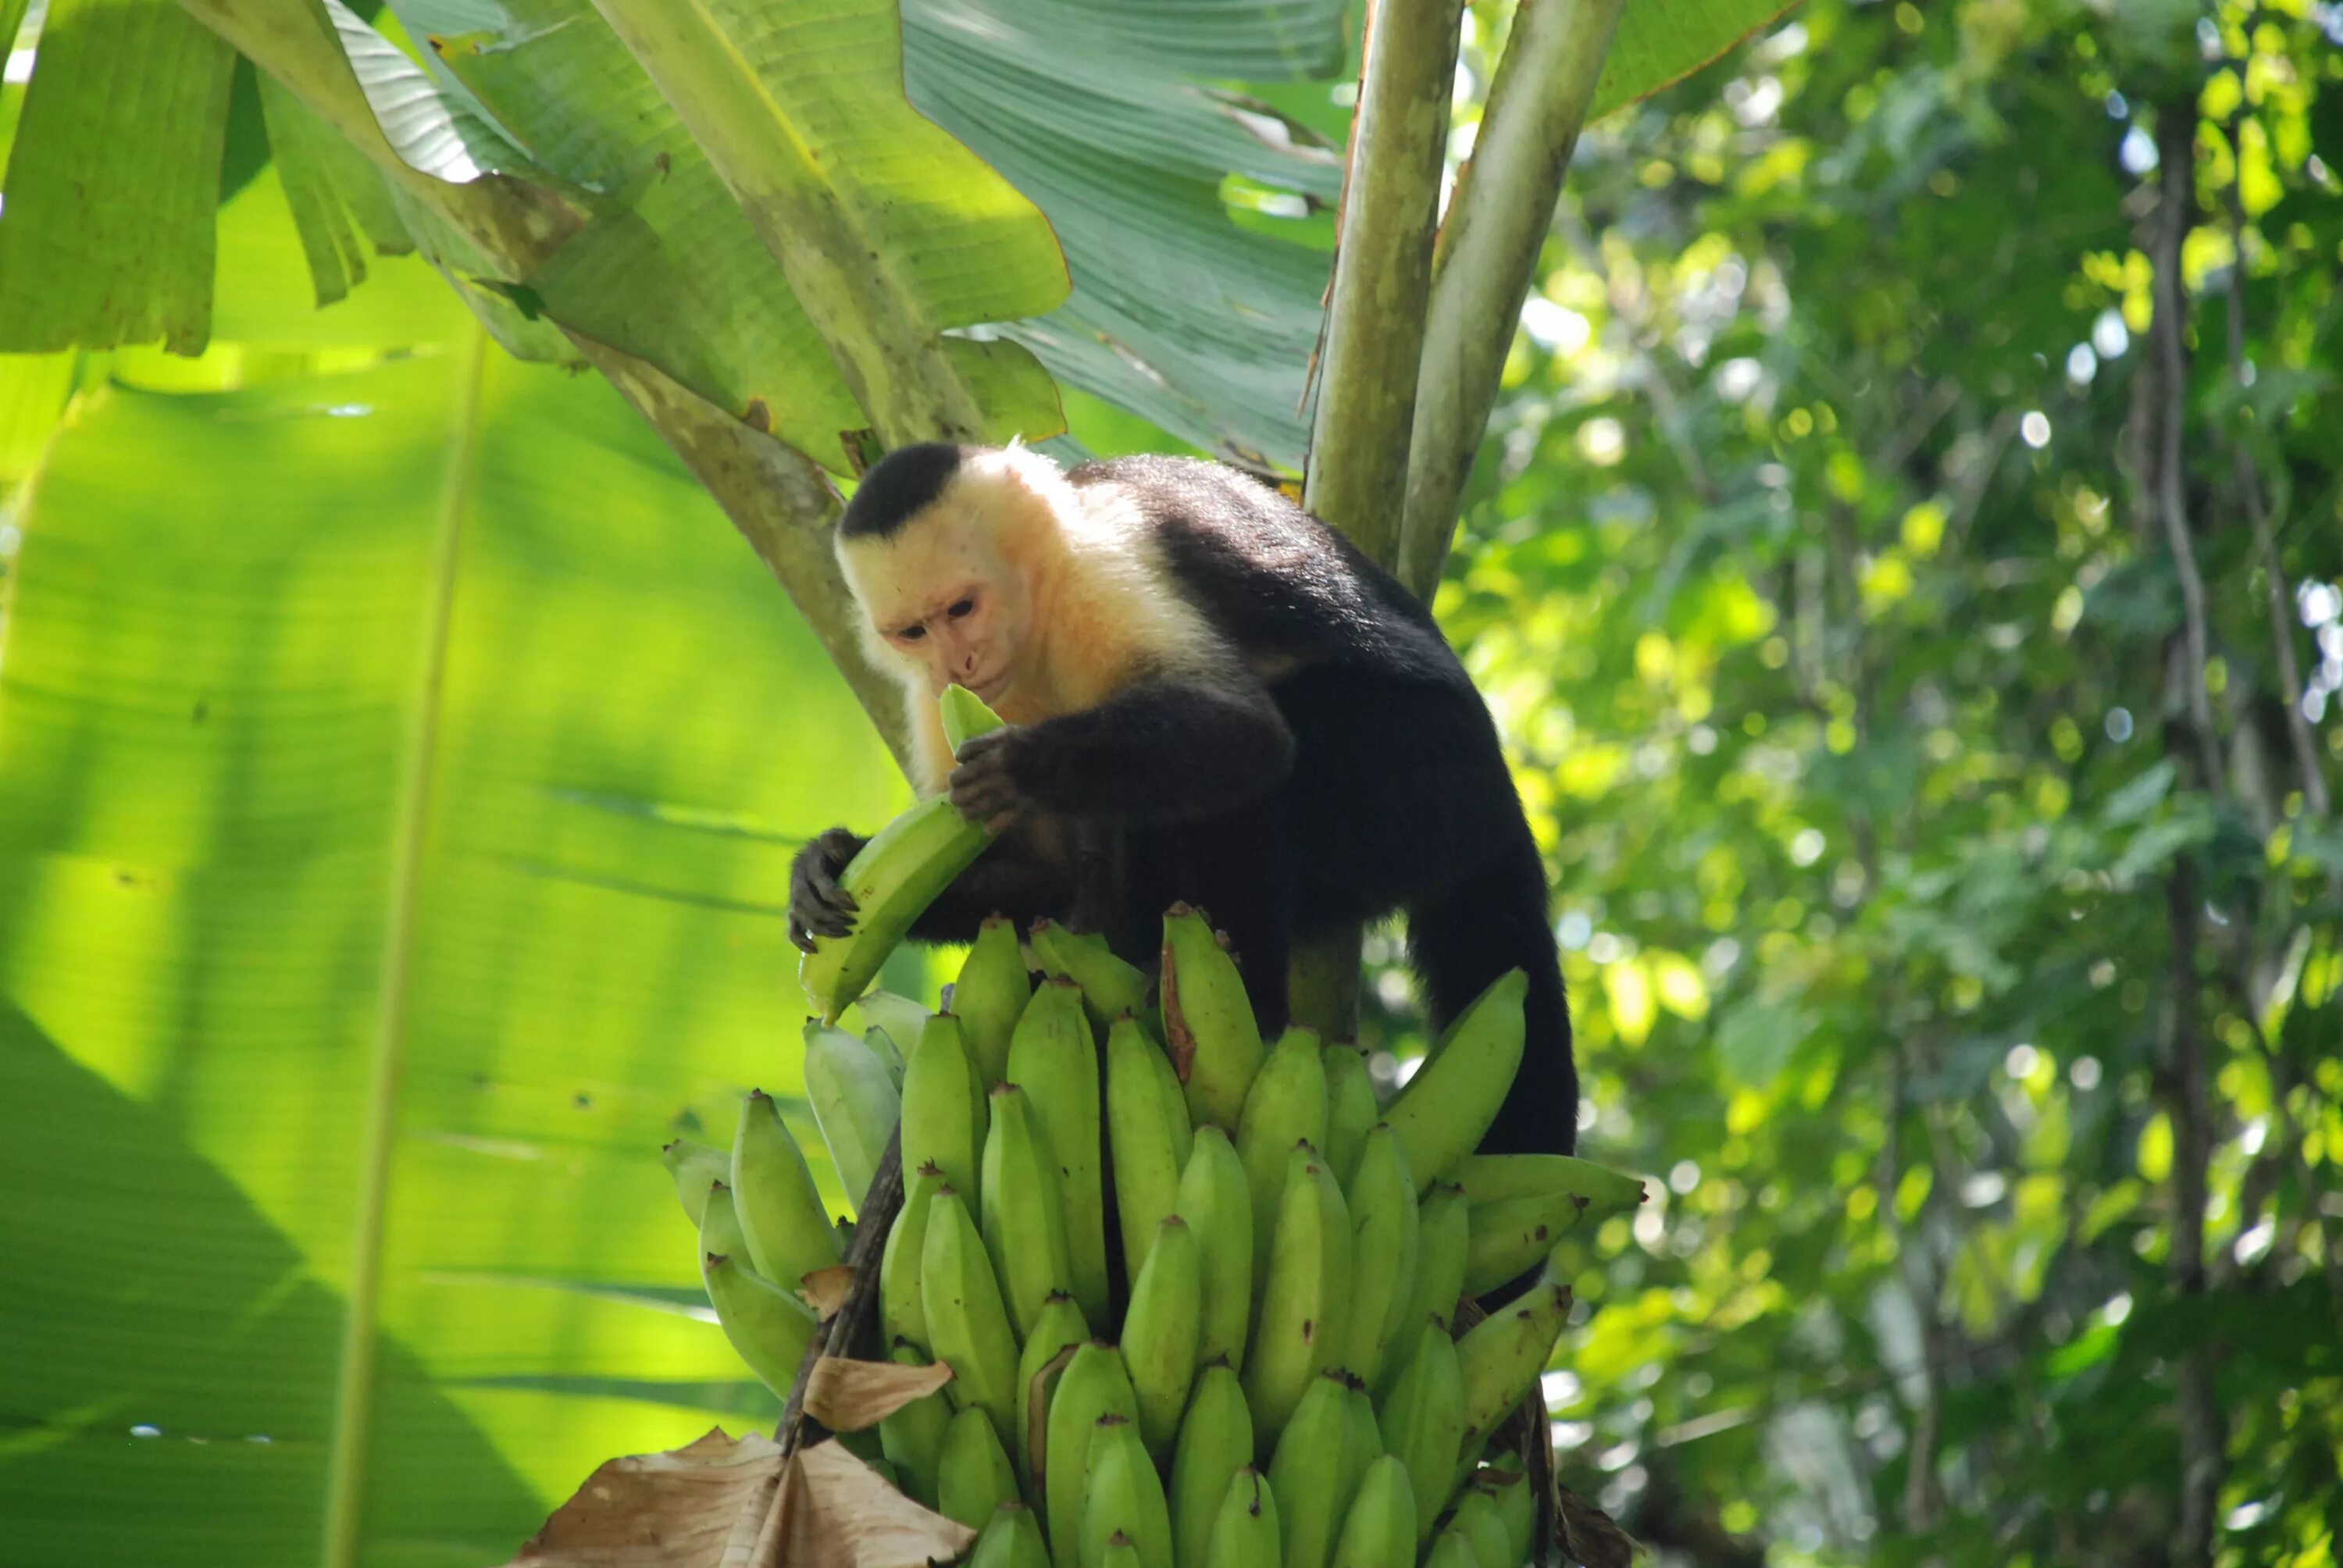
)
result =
(1917, 623)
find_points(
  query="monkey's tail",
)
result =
(1466, 937)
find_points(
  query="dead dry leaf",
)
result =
(825, 1290)
(702, 1506)
(853, 1396)
(836, 1512)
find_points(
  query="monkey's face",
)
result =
(943, 601)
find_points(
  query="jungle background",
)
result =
(1906, 560)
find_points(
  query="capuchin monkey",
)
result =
(1220, 696)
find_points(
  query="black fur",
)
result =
(898, 487)
(1359, 772)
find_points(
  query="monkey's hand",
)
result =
(818, 906)
(984, 785)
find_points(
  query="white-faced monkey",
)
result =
(1257, 718)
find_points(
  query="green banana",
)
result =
(782, 1212)
(1122, 1495)
(902, 1308)
(898, 1018)
(1351, 1107)
(1052, 1056)
(855, 1103)
(1443, 1240)
(943, 1107)
(1307, 1472)
(694, 1165)
(769, 1326)
(881, 1047)
(1012, 1540)
(1512, 1237)
(972, 1475)
(1502, 1356)
(1112, 989)
(1121, 1551)
(912, 1437)
(1160, 1330)
(720, 1226)
(1383, 1244)
(1441, 1115)
(990, 995)
(1246, 1532)
(1217, 1202)
(1094, 1384)
(1452, 1549)
(1302, 1296)
(1362, 1435)
(1423, 1420)
(1286, 1105)
(1380, 1531)
(1477, 1520)
(1058, 1331)
(968, 1326)
(1494, 1177)
(1523, 1204)
(1024, 1219)
(965, 715)
(1216, 1443)
(892, 879)
(1508, 1486)
(1148, 1137)
(1208, 1019)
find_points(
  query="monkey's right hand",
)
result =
(819, 905)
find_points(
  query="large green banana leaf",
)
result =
(398, 773)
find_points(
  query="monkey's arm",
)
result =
(1165, 749)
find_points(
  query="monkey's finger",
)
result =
(800, 937)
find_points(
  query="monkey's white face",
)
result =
(942, 601)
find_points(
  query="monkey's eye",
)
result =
(964, 608)
(912, 633)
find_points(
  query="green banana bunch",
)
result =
(1424, 1421)
(912, 1438)
(902, 1308)
(1307, 1471)
(856, 1103)
(1052, 1057)
(1208, 1019)
(1148, 1137)
(1094, 1384)
(972, 1475)
(1502, 1356)
(968, 1325)
(694, 1165)
(782, 1214)
(1011, 1540)
(1523, 1204)
(1217, 1202)
(1443, 1242)
(1451, 1101)
(1351, 1107)
(944, 1114)
(893, 878)
(1246, 1532)
(1160, 1332)
(769, 1326)
(1285, 1106)
(1112, 989)
(1124, 1496)
(1024, 1218)
(1056, 1333)
(1380, 1531)
(1477, 1520)
(1304, 1295)
(1383, 1244)
(1216, 1443)
(990, 995)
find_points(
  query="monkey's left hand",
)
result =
(984, 783)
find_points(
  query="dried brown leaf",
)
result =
(825, 1290)
(702, 1506)
(851, 1396)
(836, 1512)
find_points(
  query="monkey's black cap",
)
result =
(897, 487)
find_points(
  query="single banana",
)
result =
(769, 1326)
(1423, 1420)
(1121, 1551)
(972, 1475)
(1351, 1107)
(1146, 1138)
(1024, 1218)
(1052, 1057)
(1452, 1549)
(1304, 1295)
(1246, 1532)
(1441, 1115)
(782, 1212)
(965, 717)
(892, 879)
(897, 1017)
(1508, 1487)
(1380, 1531)
(1012, 1540)
(1094, 1384)
(1383, 1244)
(912, 1438)
(968, 1326)
(1307, 1472)
(694, 1165)
(1516, 1224)
(1502, 1356)
(1217, 1202)
(855, 1103)
(881, 1047)
(990, 995)
(1477, 1520)
(1286, 1105)
(902, 1307)
(1040, 1364)
(1208, 1019)
(943, 1112)
(1494, 1177)
(1112, 989)
(720, 1227)
(1362, 1442)
(1444, 1238)
(1160, 1330)
(1122, 1495)
(1216, 1443)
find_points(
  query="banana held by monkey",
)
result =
(789, 1231)
(968, 1325)
(1148, 1137)
(973, 1477)
(1053, 1058)
(1216, 1443)
(990, 995)
(1122, 1495)
(1286, 1105)
(1217, 1202)
(1453, 1099)
(1208, 1019)
(1024, 1221)
(856, 1102)
(943, 1107)
(1094, 1384)
(1246, 1532)
(1160, 1332)
(892, 880)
